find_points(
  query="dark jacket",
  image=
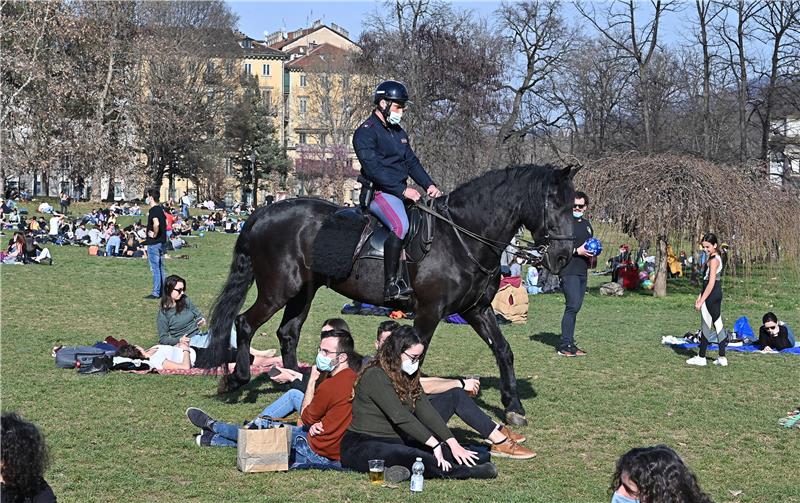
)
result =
(578, 266)
(777, 342)
(386, 157)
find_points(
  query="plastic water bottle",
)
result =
(416, 476)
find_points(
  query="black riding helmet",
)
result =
(390, 90)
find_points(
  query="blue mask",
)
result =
(394, 118)
(577, 214)
(618, 498)
(325, 364)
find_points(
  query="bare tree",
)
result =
(539, 39)
(707, 11)
(638, 43)
(682, 197)
(779, 25)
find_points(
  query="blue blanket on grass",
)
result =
(747, 348)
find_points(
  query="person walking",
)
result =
(156, 243)
(574, 275)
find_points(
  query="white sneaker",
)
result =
(721, 361)
(697, 360)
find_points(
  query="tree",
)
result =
(536, 33)
(661, 197)
(321, 167)
(639, 44)
(253, 139)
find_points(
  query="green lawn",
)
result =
(124, 437)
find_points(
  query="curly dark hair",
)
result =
(660, 475)
(24, 457)
(130, 351)
(389, 358)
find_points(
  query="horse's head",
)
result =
(553, 230)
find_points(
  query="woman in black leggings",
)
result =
(394, 421)
(709, 303)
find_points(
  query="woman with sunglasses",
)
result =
(773, 335)
(179, 321)
(394, 421)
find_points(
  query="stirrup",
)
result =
(396, 290)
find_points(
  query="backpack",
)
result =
(68, 357)
(744, 331)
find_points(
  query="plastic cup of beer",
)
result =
(477, 378)
(376, 471)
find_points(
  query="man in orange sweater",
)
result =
(326, 411)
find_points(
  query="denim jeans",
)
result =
(302, 456)
(289, 402)
(155, 255)
(185, 210)
(574, 290)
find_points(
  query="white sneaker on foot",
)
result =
(697, 360)
(721, 361)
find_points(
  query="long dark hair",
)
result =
(660, 475)
(24, 458)
(130, 351)
(337, 324)
(166, 295)
(389, 358)
(721, 253)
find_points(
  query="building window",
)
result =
(303, 105)
(266, 97)
(303, 140)
(248, 69)
(265, 70)
(228, 96)
(247, 44)
(228, 167)
(119, 193)
(210, 67)
(303, 81)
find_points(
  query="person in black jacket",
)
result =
(773, 336)
(574, 275)
(387, 160)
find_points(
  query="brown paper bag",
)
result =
(264, 450)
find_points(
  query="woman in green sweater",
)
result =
(394, 421)
(180, 321)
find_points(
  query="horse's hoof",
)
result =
(229, 383)
(515, 419)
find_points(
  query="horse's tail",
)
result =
(228, 303)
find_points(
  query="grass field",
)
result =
(124, 437)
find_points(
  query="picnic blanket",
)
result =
(254, 371)
(680, 342)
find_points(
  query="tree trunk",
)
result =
(742, 88)
(255, 186)
(660, 284)
(97, 188)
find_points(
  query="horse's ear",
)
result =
(570, 171)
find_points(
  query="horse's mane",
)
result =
(510, 184)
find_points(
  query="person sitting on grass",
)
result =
(180, 321)
(773, 335)
(113, 244)
(35, 253)
(23, 461)
(451, 397)
(299, 380)
(15, 253)
(654, 475)
(393, 419)
(326, 410)
(131, 247)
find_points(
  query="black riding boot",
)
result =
(394, 289)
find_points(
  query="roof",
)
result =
(297, 34)
(259, 49)
(321, 56)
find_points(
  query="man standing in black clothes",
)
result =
(156, 242)
(573, 277)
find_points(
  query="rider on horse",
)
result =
(387, 161)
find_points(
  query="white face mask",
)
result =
(409, 367)
(394, 118)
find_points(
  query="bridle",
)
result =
(534, 253)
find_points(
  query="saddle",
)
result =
(416, 244)
(352, 234)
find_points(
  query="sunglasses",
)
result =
(579, 206)
(179, 290)
(772, 328)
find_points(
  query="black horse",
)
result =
(458, 275)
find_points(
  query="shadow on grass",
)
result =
(548, 338)
(250, 392)
(524, 389)
(683, 351)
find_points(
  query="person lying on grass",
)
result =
(325, 414)
(773, 335)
